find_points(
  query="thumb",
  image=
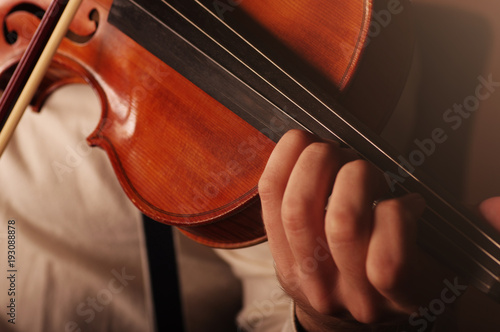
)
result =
(490, 209)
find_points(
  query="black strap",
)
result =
(164, 278)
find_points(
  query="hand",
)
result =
(351, 262)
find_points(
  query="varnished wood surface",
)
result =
(182, 157)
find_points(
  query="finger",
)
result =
(490, 209)
(272, 186)
(392, 252)
(303, 215)
(348, 229)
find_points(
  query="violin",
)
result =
(195, 94)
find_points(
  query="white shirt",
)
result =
(80, 257)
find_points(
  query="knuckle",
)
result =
(385, 272)
(297, 136)
(363, 172)
(320, 149)
(358, 168)
(343, 225)
(294, 215)
(393, 206)
(404, 219)
(266, 187)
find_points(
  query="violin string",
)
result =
(464, 252)
(305, 89)
(486, 236)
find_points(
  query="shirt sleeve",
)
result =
(266, 307)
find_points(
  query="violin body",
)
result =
(183, 157)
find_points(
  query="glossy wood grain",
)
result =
(182, 157)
